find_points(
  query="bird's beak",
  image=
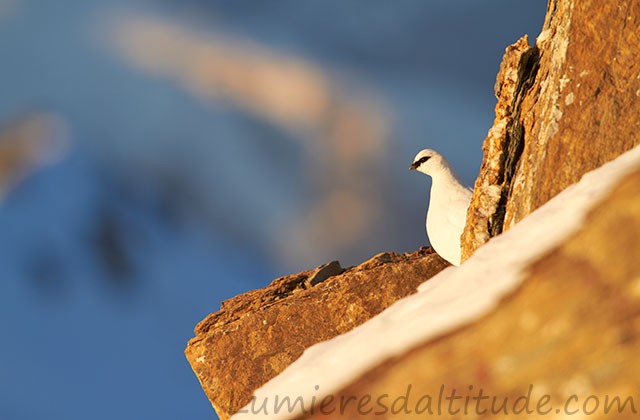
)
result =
(413, 166)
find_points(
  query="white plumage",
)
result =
(448, 204)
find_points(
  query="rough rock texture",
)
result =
(256, 335)
(573, 327)
(574, 108)
(502, 147)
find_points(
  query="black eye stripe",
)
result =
(422, 160)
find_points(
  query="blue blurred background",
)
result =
(158, 157)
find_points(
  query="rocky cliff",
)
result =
(565, 106)
(256, 335)
(541, 320)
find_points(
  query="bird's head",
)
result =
(428, 162)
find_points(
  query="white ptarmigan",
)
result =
(448, 204)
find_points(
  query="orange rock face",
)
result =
(256, 335)
(578, 111)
